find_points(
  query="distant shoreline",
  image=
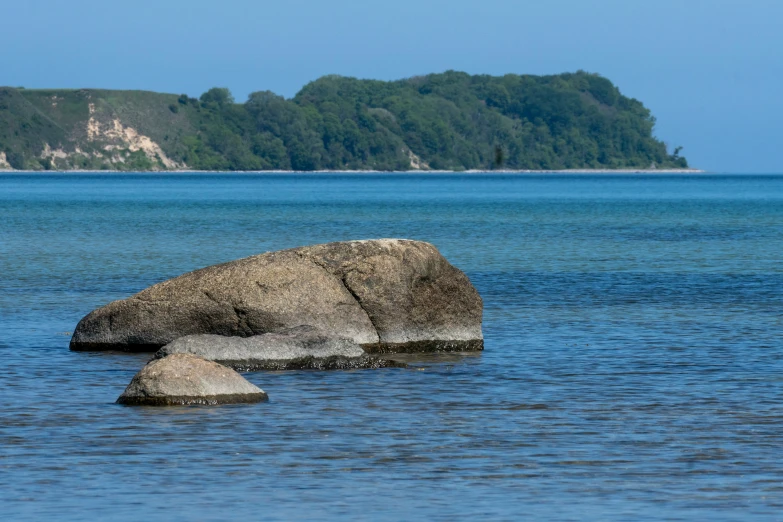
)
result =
(450, 120)
(359, 172)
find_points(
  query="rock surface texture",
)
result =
(182, 379)
(387, 295)
(302, 348)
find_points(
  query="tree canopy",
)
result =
(451, 121)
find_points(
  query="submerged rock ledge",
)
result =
(302, 348)
(386, 295)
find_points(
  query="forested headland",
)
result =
(449, 121)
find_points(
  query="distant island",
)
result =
(451, 121)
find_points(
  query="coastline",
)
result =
(359, 172)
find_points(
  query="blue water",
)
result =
(633, 367)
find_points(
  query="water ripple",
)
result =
(632, 371)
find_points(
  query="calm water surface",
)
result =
(633, 366)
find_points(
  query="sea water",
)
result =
(633, 367)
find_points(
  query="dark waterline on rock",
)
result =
(632, 368)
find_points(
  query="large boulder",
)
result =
(186, 379)
(388, 295)
(301, 348)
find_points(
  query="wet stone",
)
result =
(300, 348)
(182, 379)
(387, 295)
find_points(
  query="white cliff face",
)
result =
(115, 136)
(4, 165)
(53, 155)
(416, 162)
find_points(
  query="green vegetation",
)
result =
(450, 121)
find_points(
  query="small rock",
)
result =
(182, 379)
(300, 348)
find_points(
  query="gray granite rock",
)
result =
(387, 295)
(301, 348)
(415, 299)
(182, 379)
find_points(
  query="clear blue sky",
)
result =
(710, 70)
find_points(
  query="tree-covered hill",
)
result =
(449, 121)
